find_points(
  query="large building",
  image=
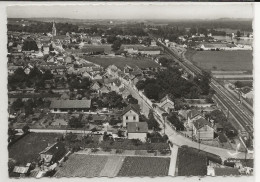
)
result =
(58, 106)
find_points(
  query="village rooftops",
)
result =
(193, 113)
(137, 127)
(201, 122)
(70, 104)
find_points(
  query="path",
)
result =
(172, 168)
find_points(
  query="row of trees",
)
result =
(34, 79)
(169, 82)
(43, 27)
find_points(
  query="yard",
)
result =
(27, 149)
(80, 165)
(222, 60)
(120, 62)
(145, 166)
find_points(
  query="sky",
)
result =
(134, 11)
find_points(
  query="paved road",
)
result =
(172, 168)
(180, 140)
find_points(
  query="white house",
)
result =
(137, 130)
(167, 104)
(192, 116)
(202, 129)
(131, 114)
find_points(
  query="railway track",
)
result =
(242, 114)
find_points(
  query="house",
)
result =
(52, 153)
(22, 170)
(202, 129)
(247, 93)
(104, 89)
(192, 116)
(70, 105)
(131, 114)
(154, 50)
(167, 104)
(46, 49)
(137, 130)
(96, 86)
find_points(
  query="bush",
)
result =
(94, 150)
(106, 149)
(164, 151)
(119, 151)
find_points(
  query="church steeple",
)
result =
(53, 29)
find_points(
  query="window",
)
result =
(126, 117)
(134, 117)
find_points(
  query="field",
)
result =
(120, 62)
(191, 163)
(222, 60)
(27, 149)
(145, 166)
(80, 165)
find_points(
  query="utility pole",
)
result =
(199, 136)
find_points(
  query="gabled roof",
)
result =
(137, 127)
(193, 113)
(20, 169)
(201, 122)
(134, 107)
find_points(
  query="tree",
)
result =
(132, 100)
(26, 129)
(238, 33)
(75, 122)
(103, 41)
(17, 104)
(140, 85)
(152, 91)
(152, 123)
(30, 45)
(238, 84)
(173, 118)
(116, 45)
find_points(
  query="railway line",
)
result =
(243, 115)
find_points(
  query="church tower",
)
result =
(53, 29)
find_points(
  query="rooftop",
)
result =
(70, 104)
(137, 127)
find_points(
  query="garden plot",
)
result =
(145, 166)
(80, 165)
(112, 166)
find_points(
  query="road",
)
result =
(242, 114)
(179, 139)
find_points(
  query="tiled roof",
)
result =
(134, 107)
(199, 123)
(193, 113)
(137, 127)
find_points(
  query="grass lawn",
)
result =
(222, 60)
(191, 163)
(120, 62)
(145, 166)
(80, 165)
(27, 149)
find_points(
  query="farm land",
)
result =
(80, 165)
(191, 163)
(27, 149)
(222, 60)
(84, 165)
(145, 166)
(121, 62)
